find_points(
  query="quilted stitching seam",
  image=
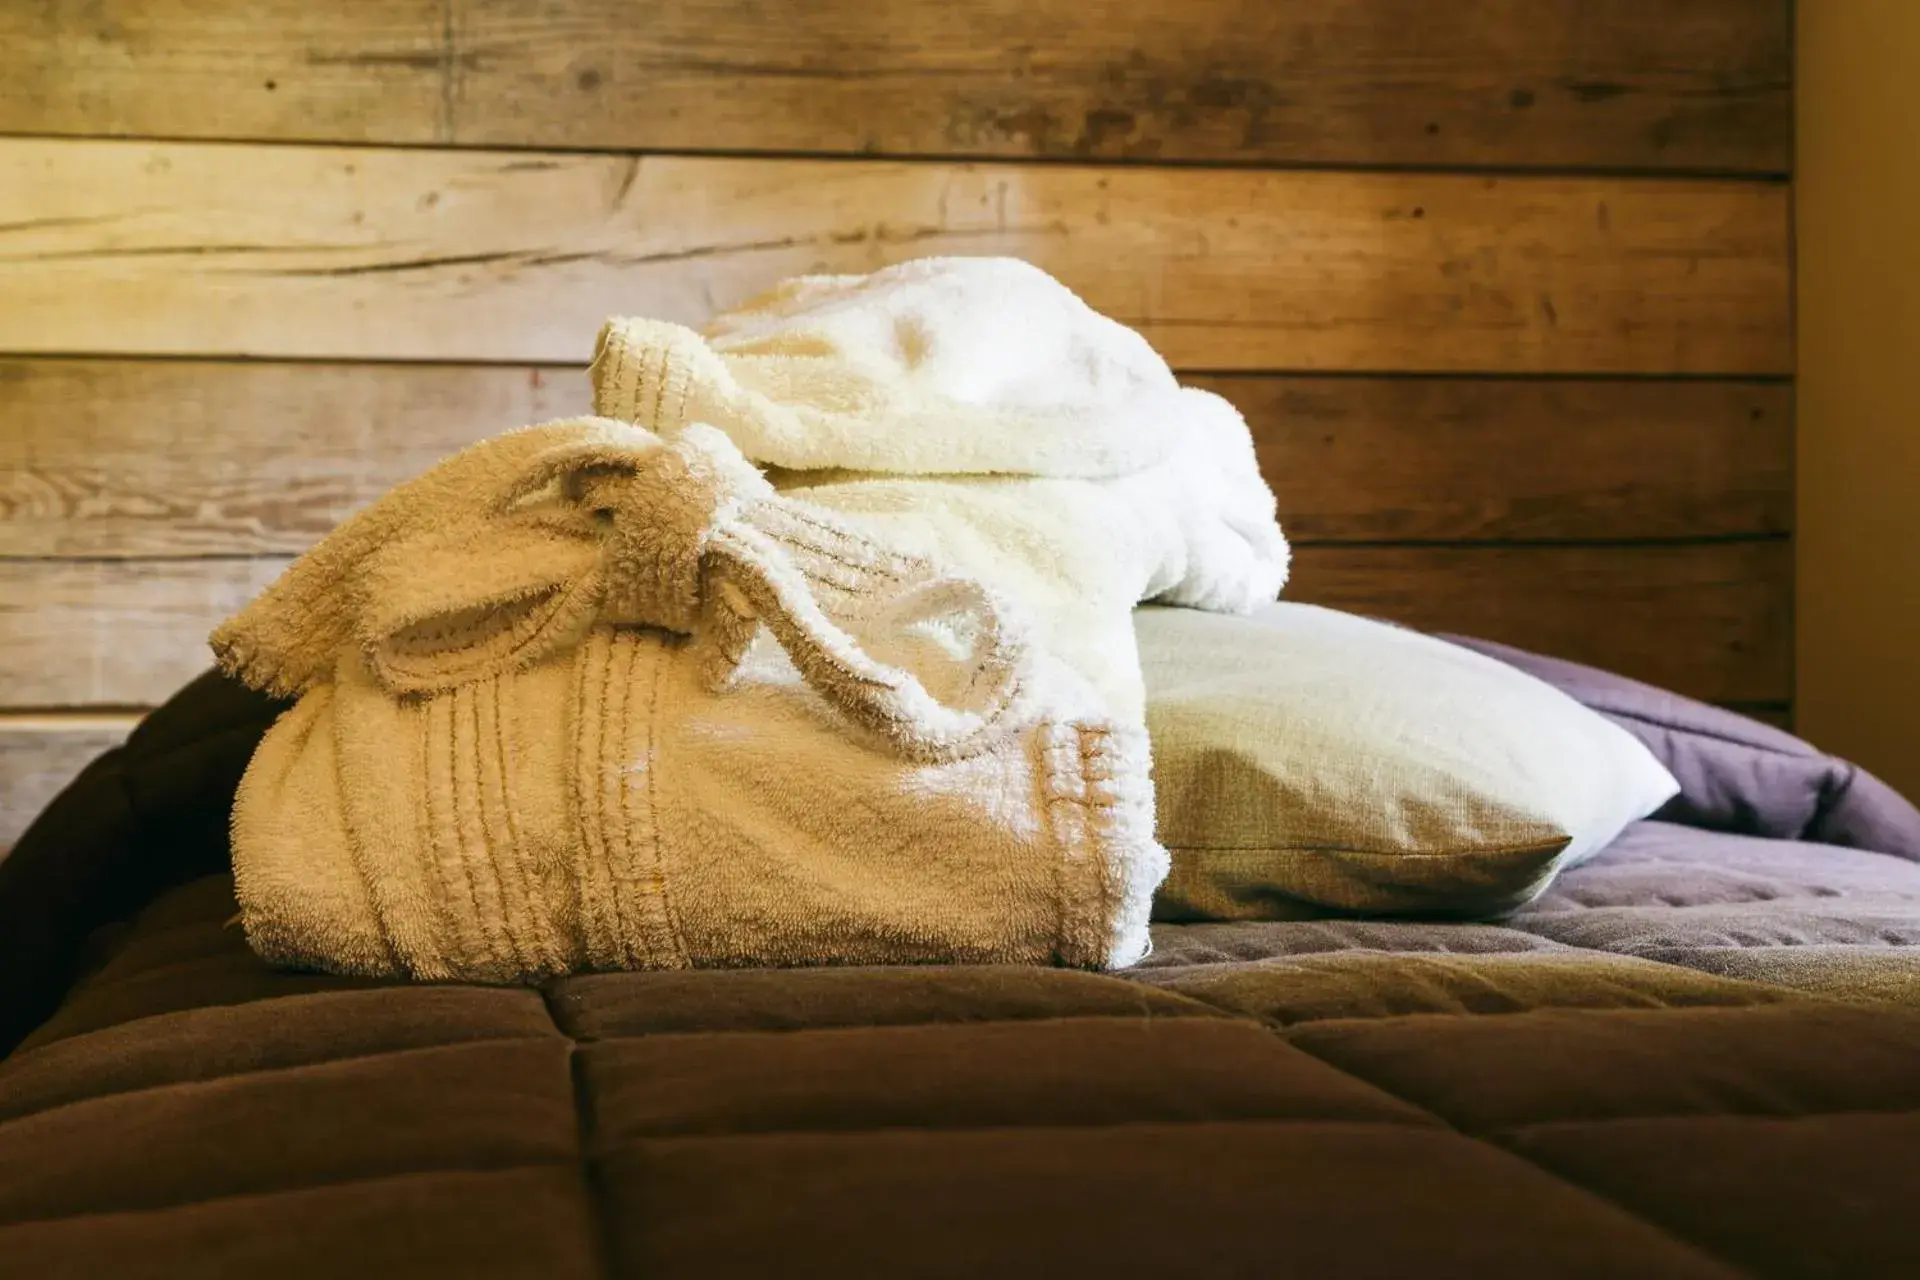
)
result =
(1680, 1242)
(8, 1116)
(592, 1184)
(517, 1166)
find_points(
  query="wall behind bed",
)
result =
(1502, 285)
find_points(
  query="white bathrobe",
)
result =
(601, 694)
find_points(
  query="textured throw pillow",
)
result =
(1307, 760)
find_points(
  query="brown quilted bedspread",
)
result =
(189, 1112)
(1698, 1055)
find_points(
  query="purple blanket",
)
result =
(1735, 774)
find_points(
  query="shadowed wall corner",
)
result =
(1857, 189)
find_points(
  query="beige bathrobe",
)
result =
(601, 694)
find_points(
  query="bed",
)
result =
(1692, 1056)
(1504, 292)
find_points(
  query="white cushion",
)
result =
(1307, 759)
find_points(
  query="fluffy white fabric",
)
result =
(975, 411)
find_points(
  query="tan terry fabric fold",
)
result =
(642, 712)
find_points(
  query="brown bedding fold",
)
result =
(1313, 1098)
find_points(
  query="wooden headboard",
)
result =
(1502, 285)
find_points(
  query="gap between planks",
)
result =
(1183, 372)
(1623, 173)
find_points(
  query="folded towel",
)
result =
(602, 695)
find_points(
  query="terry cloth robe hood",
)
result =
(599, 694)
(976, 411)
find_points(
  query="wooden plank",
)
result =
(1355, 459)
(1712, 620)
(114, 633)
(39, 755)
(1685, 84)
(1702, 83)
(180, 458)
(184, 249)
(225, 69)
